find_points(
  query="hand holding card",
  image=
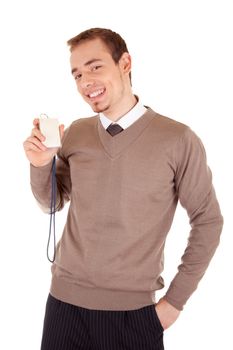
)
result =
(49, 128)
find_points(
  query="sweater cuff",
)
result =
(177, 296)
(39, 174)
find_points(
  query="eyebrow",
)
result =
(86, 64)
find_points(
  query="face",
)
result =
(102, 83)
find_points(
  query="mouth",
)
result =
(96, 95)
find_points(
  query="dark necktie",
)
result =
(114, 129)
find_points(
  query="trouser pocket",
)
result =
(156, 318)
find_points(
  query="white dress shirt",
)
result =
(126, 120)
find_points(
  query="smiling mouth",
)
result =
(96, 93)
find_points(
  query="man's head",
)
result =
(101, 65)
(114, 42)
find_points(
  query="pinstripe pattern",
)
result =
(69, 327)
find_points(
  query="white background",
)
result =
(182, 68)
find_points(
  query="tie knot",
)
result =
(114, 129)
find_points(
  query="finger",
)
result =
(36, 122)
(35, 141)
(28, 146)
(61, 130)
(36, 133)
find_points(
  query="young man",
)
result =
(123, 181)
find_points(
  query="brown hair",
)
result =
(114, 42)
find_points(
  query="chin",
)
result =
(100, 109)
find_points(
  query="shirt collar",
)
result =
(126, 120)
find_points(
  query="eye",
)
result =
(94, 68)
(77, 76)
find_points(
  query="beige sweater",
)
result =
(123, 192)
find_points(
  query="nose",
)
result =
(86, 81)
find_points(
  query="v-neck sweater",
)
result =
(123, 192)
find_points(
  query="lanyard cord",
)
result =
(52, 212)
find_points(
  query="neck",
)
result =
(125, 107)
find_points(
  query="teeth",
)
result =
(96, 93)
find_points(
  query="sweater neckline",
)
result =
(115, 145)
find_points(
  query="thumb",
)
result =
(61, 130)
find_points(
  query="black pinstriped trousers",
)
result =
(69, 327)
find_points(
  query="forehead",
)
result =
(88, 50)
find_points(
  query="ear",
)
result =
(125, 62)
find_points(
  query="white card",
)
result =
(49, 127)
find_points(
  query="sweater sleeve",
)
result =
(41, 181)
(196, 194)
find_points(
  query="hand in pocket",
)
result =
(166, 313)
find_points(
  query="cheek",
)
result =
(81, 92)
(78, 88)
